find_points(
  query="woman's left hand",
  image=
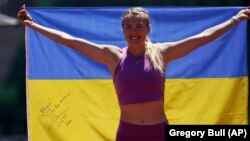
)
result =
(244, 14)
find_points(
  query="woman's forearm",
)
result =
(212, 33)
(55, 35)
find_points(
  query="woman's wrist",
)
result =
(235, 20)
(29, 22)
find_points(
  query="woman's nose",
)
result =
(134, 30)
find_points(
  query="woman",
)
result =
(142, 62)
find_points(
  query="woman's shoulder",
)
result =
(113, 48)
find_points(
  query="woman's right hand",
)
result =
(24, 17)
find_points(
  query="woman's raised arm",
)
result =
(101, 53)
(175, 50)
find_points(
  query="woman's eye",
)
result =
(127, 26)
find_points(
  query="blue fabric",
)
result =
(220, 58)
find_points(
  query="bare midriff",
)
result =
(144, 113)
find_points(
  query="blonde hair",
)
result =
(153, 51)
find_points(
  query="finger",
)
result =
(247, 11)
(23, 12)
(23, 6)
(19, 14)
(21, 18)
(22, 15)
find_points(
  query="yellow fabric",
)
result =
(207, 101)
(73, 110)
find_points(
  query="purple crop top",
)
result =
(136, 81)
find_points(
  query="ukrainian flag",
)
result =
(72, 98)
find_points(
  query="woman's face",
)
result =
(135, 30)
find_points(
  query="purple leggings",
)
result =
(133, 132)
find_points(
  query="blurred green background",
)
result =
(12, 53)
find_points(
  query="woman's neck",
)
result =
(137, 50)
